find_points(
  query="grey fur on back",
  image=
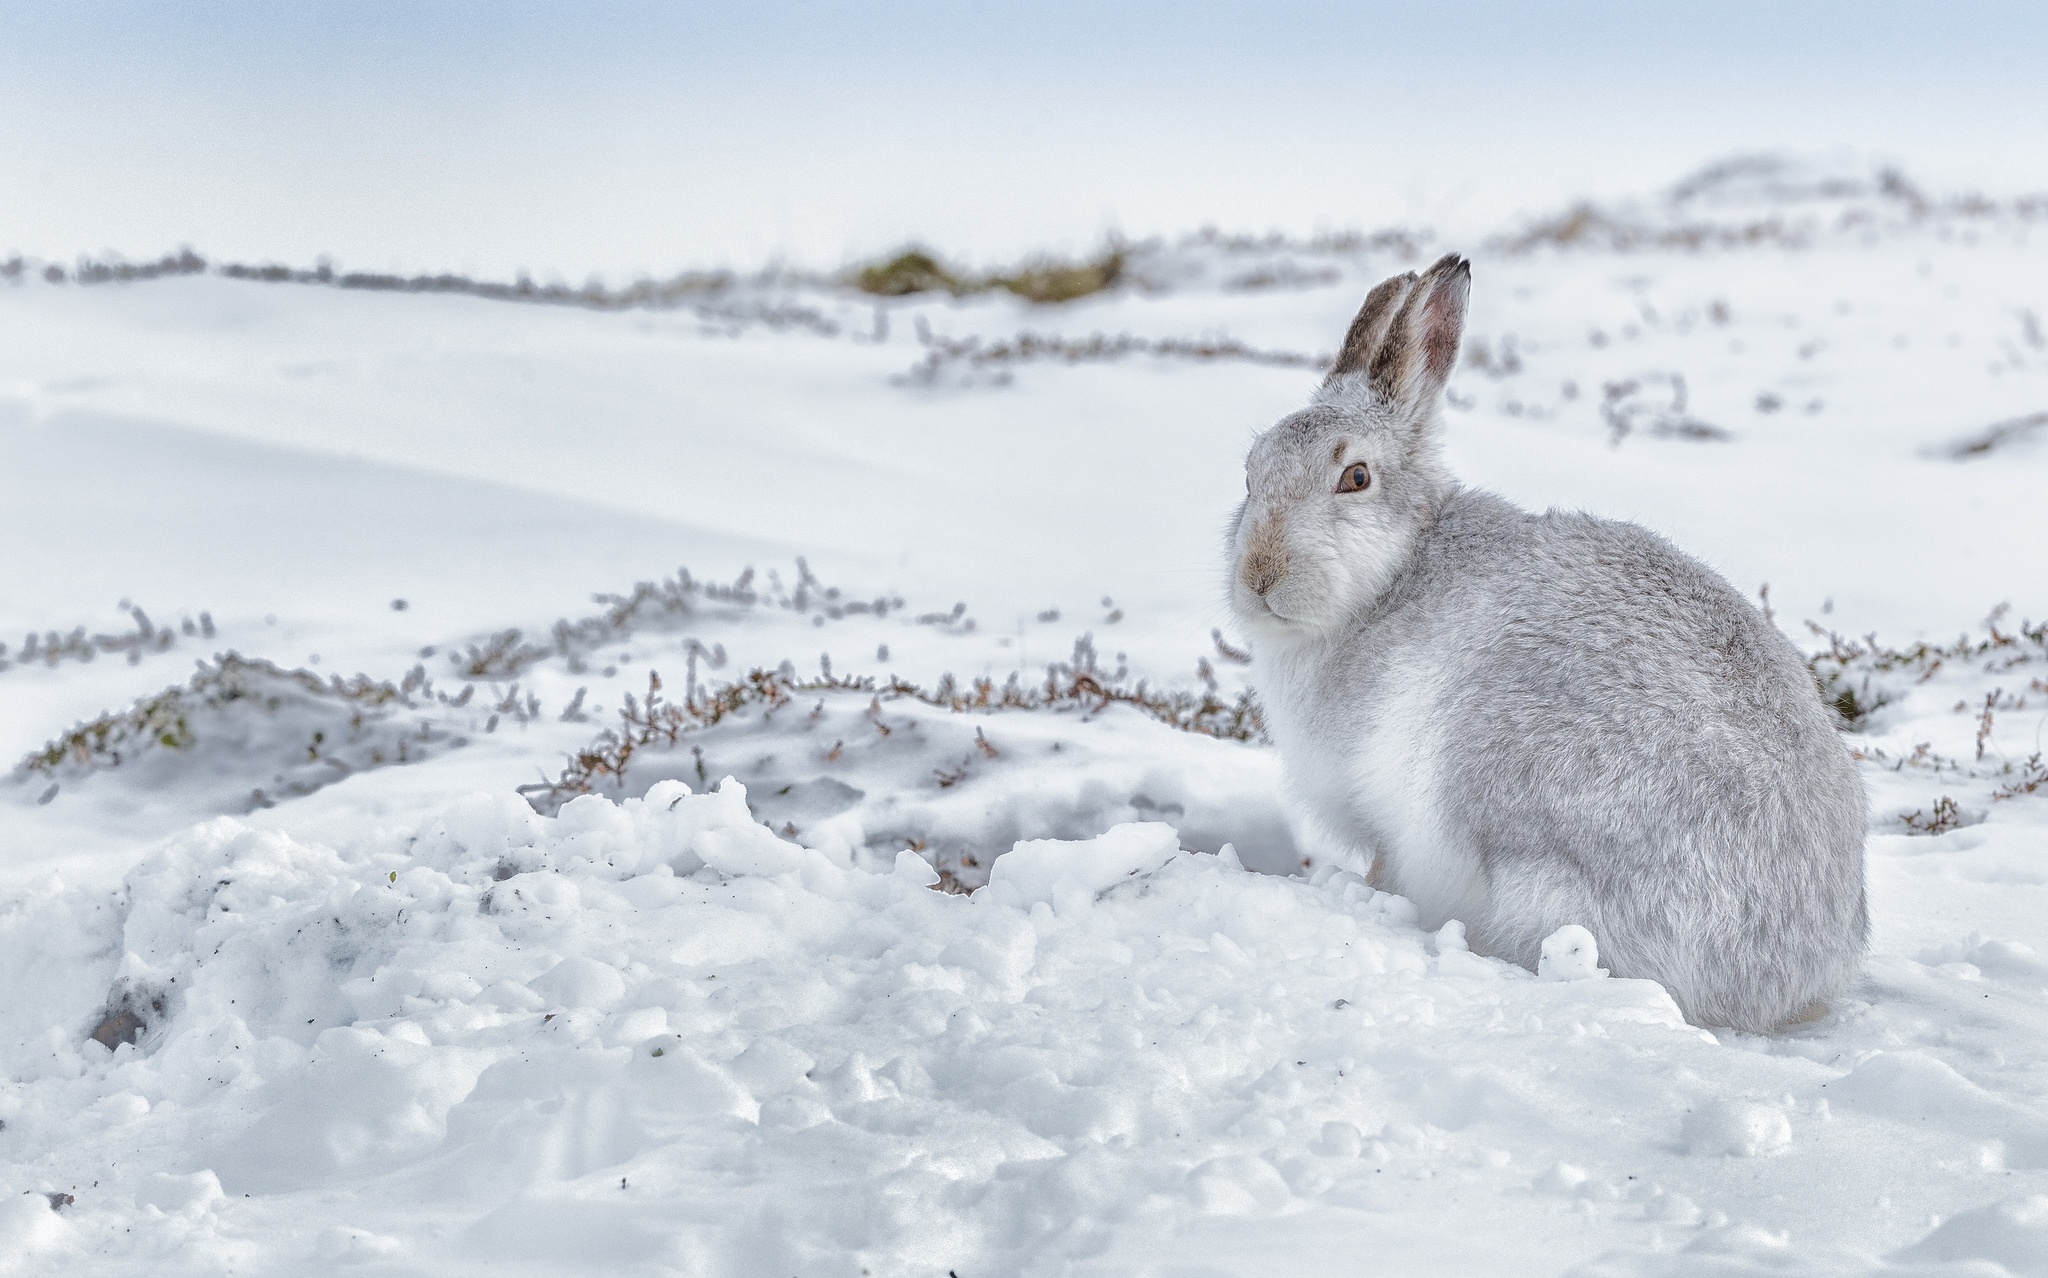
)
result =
(1534, 720)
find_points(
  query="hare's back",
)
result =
(1624, 741)
(1569, 636)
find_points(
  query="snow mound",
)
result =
(2011, 1234)
(861, 773)
(1057, 871)
(1745, 1129)
(244, 733)
(646, 1030)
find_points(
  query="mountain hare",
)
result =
(1537, 720)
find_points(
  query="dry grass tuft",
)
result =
(912, 271)
(1944, 816)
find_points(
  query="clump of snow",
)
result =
(1056, 871)
(1560, 1178)
(1570, 954)
(1742, 1128)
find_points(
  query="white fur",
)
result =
(1534, 721)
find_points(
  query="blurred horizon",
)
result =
(628, 138)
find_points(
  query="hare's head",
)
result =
(1336, 493)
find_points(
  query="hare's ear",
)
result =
(1369, 330)
(1406, 338)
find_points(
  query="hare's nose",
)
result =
(1261, 575)
(1265, 557)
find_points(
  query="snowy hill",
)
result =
(372, 895)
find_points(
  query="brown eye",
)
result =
(1356, 478)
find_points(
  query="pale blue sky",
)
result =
(623, 137)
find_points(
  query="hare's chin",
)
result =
(1261, 615)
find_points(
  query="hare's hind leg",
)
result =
(1812, 1012)
(1527, 902)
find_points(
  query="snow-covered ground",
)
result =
(388, 937)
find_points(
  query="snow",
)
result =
(1744, 1129)
(2012, 1234)
(659, 1010)
(970, 932)
(1569, 954)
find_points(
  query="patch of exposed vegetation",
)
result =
(1078, 686)
(912, 271)
(917, 270)
(1495, 360)
(1654, 405)
(1804, 208)
(718, 297)
(976, 356)
(1047, 280)
(165, 721)
(255, 732)
(1943, 816)
(1400, 242)
(2005, 434)
(54, 647)
(662, 605)
(715, 296)
(672, 291)
(1588, 226)
(1860, 677)
(113, 270)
